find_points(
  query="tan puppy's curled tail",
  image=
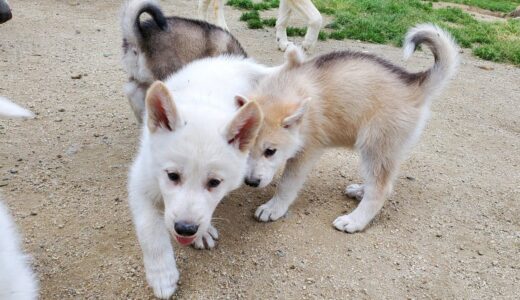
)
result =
(445, 52)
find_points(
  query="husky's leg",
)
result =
(314, 21)
(159, 261)
(381, 155)
(203, 9)
(284, 12)
(136, 93)
(292, 181)
(219, 14)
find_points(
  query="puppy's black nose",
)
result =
(185, 228)
(5, 16)
(252, 182)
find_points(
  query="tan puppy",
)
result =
(347, 99)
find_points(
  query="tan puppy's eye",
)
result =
(174, 177)
(269, 152)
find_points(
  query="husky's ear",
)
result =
(240, 100)
(161, 109)
(294, 56)
(243, 129)
(296, 116)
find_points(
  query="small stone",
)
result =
(480, 252)
(61, 110)
(33, 213)
(438, 235)
(280, 253)
(76, 76)
(410, 178)
(13, 171)
(58, 120)
(487, 68)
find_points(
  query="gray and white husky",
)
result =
(159, 47)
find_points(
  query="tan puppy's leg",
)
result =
(293, 178)
(314, 21)
(219, 14)
(203, 9)
(284, 12)
(380, 155)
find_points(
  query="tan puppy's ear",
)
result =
(240, 100)
(162, 113)
(294, 56)
(297, 115)
(243, 129)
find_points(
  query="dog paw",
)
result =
(349, 223)
(283, 45)
(271, 211)
(163, 281)
(207, 240)
(355, 191)
(307, 46)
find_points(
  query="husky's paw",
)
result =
(163, 281)
(283, 45)
(271, 211)
(207, 240)
(355, 191)
(308, 45)
(349, 223)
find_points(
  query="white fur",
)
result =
(218, 12)
(12, 110)
(17, 281)
(307, 10)
(197, 148)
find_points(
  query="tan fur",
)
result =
(357, 101)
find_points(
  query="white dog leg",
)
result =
(284, 12)
(293, 179)
(159, 261)
(136, 94)
(203, 9)
(314, 19)
(219, 14)
(207, 240)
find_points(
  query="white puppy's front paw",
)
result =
(355, 191)
(207, 240)
(163, 281)
(273, 210)
(349, 223)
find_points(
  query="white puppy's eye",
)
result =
(269, 152)
(174, 177)
(213, 183)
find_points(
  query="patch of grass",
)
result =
(386, 22)
(504, 6)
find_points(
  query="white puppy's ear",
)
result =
(161, 109)
(296, 116)
(240, 100)
(243, 129)
(294, 56)
(12, 110)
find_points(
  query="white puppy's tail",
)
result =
(445, 52)
(11, 110)
(130, 22)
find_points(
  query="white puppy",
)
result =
(17, 281)
(193, 152)
(308, 11)
(218, 12)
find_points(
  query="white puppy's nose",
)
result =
(254, 182)
(185, 228)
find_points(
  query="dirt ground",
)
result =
(450, 230)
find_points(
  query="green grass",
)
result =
(504, 6)
(386, 22)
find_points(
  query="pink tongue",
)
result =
(184, 240)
